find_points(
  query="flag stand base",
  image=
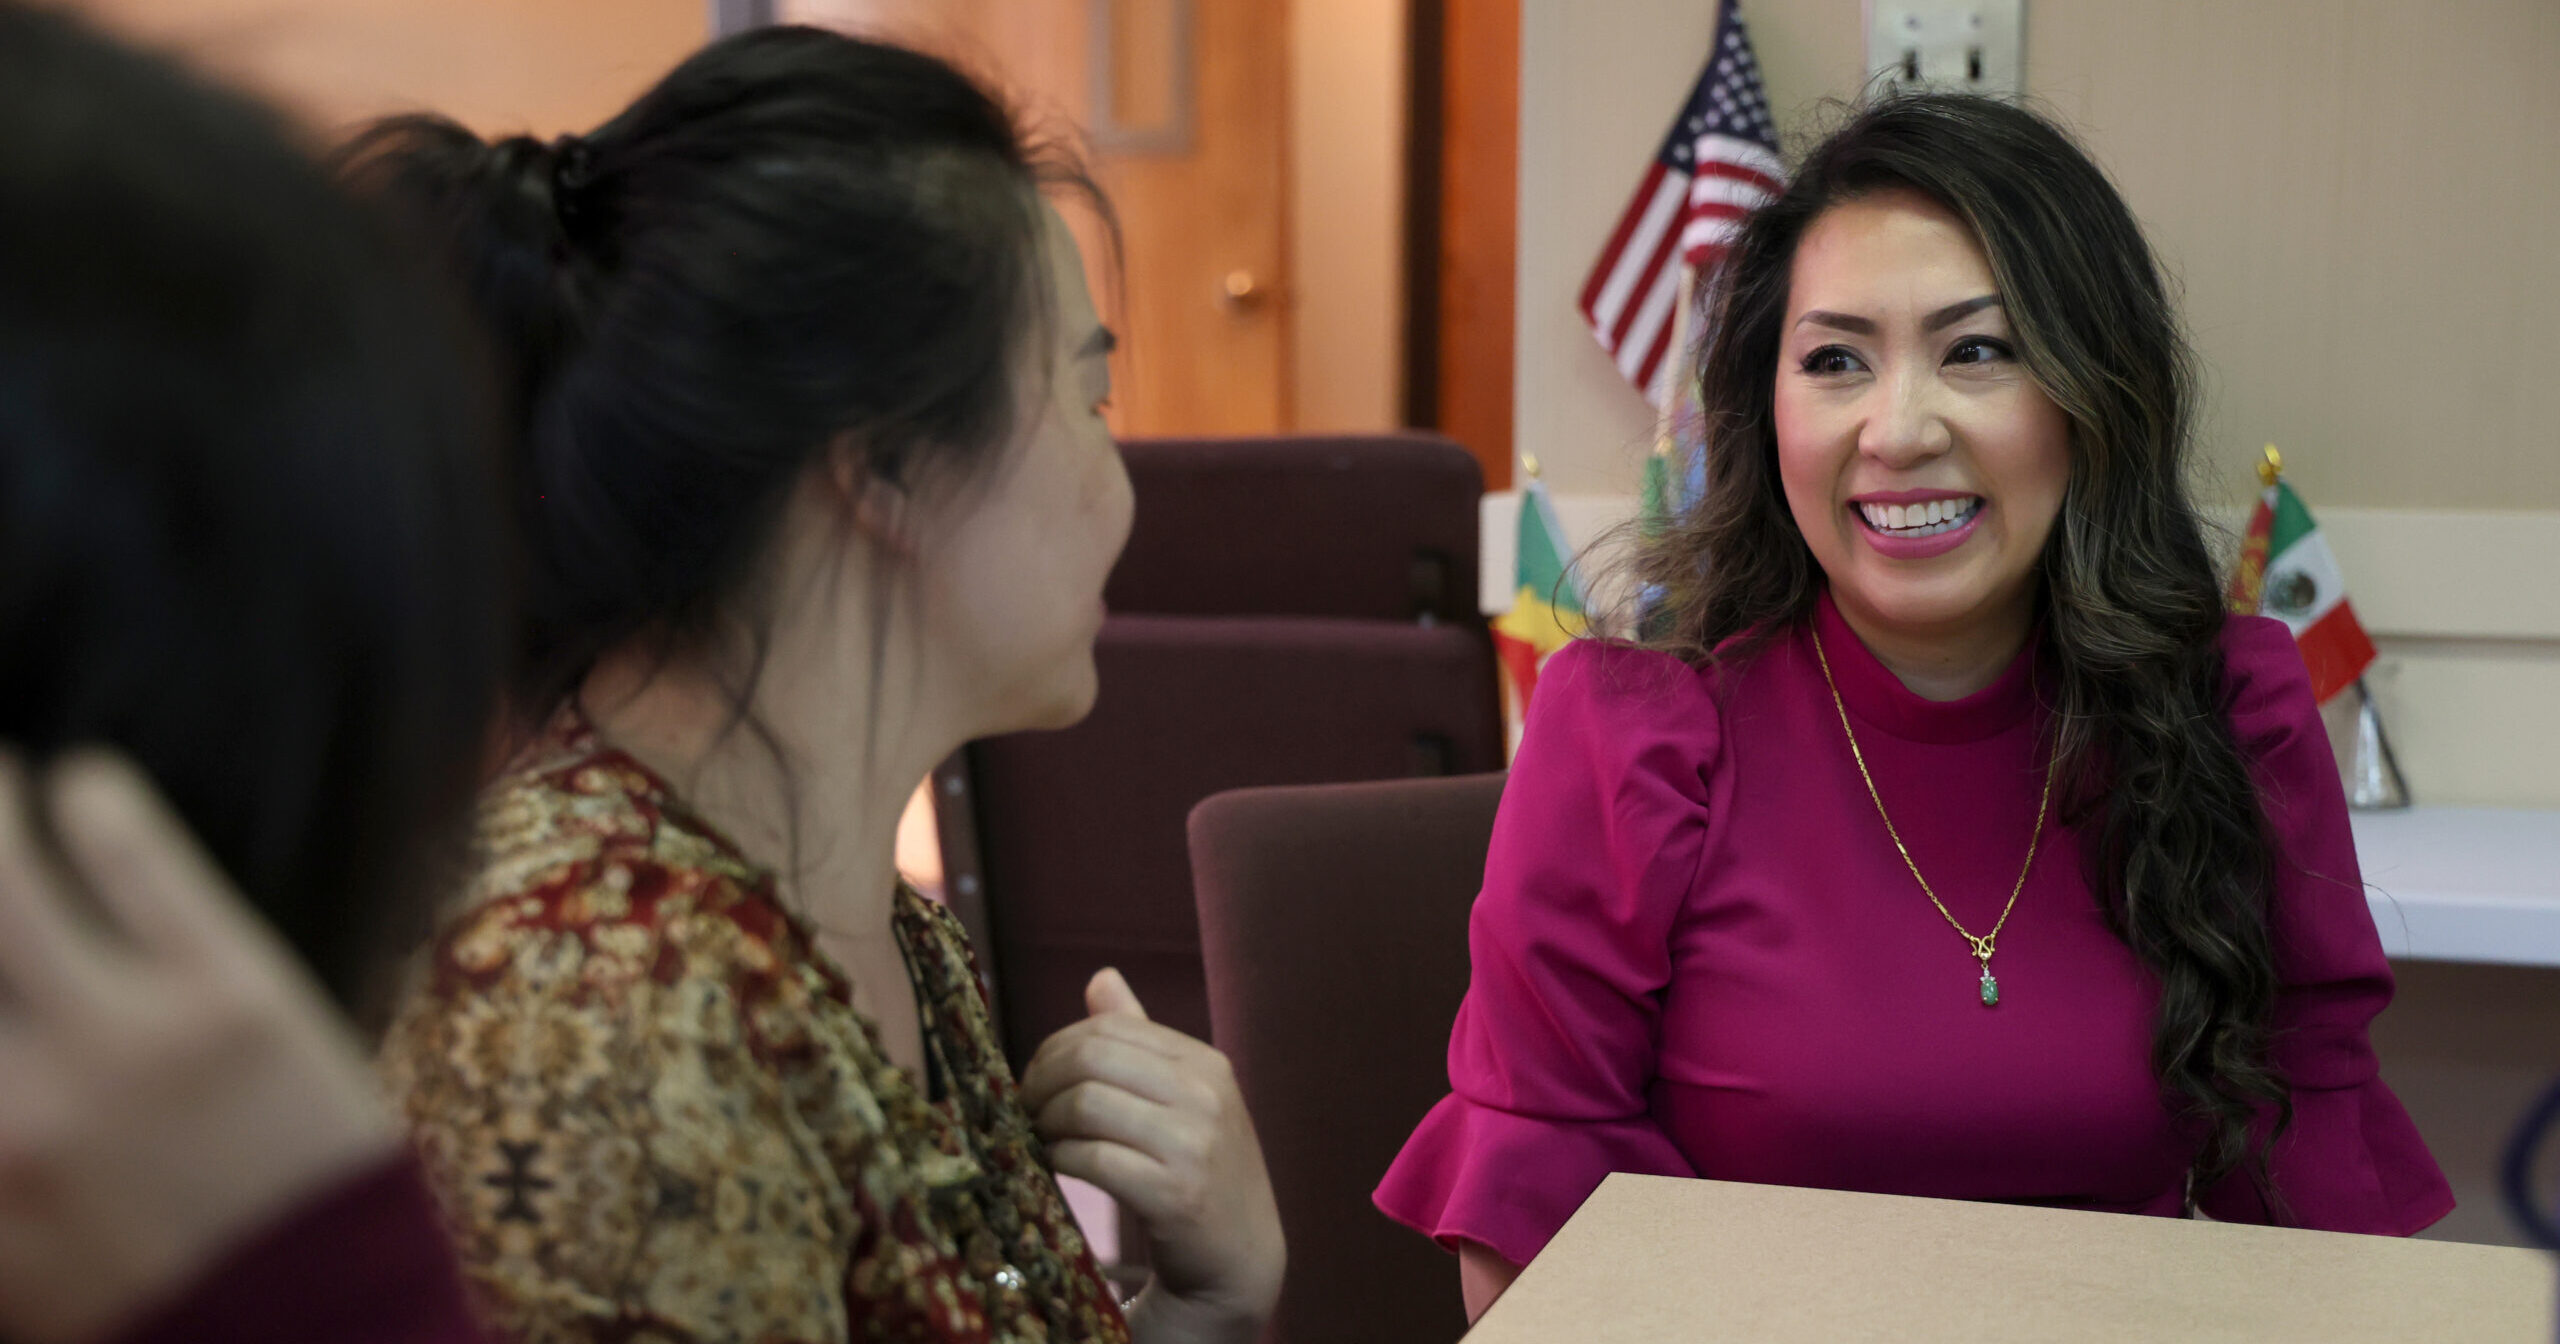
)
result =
(2373, 782)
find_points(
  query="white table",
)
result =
(2464, 883)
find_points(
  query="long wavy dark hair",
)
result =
(2130, 604)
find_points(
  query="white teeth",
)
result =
(1921, 520)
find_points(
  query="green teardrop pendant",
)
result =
(1990, 990)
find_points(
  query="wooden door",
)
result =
(1183, 103)
(1477, 64)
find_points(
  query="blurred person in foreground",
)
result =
(249, 617)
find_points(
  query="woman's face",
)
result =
(1922, 463)
(1013, 583)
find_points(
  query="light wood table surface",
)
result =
(1653, 1259)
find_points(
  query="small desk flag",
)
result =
(1547, 606)
(2286, 571)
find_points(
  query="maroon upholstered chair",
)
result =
(1082, 830)
(1379, 527)
(1333, 920)
(1288, 610)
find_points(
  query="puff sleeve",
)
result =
(1598, 843)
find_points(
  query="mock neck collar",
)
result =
(1876, 696)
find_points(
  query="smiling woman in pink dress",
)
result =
(1944, 836)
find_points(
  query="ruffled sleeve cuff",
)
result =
(2352, 1161)
(1478, 1173)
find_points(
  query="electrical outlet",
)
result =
(1976, 46)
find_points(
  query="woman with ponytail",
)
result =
(814, 488)
(1944, 835)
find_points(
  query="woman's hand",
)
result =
(1483, 1275)
(1153, 1118)
(170, 1077)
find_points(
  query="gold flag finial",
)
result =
(1529, 463)
(2270, 467)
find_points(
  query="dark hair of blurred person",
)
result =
(249, 544)
(247, 532)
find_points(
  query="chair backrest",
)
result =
(1381, 526)
(1333, 921)
(1287, 610)
(1080, 832)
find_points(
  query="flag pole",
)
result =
(1666, 434)
(1515, 654)
(1660, 494)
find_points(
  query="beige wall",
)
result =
(2358, 195)
(544, 66)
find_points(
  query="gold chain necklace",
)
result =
(1983, 944)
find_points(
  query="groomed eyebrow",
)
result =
(1957, 312)
(1944, 317)
(1817, 317)
(1100, 341)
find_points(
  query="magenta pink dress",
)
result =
(1697, 953)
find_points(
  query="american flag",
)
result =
(1719, 161)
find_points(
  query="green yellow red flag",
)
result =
(1547, 607)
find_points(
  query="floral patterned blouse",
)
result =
(652, 1115)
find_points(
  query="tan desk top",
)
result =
(1653, 1259)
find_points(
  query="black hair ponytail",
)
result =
(496, 212)
(797, 238)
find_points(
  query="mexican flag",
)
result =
(2286, 571)
(1547, 610)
